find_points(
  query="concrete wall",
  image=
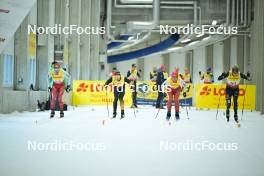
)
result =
(218, 60)
(199, 63)
(177, 60)
(256, 61)
(123, 67)
(149, 62)
(10, 51)
(24, 101)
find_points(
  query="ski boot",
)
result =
(227, 115)
(177, 116)
(122, 114)
(114, 115)
(168, 115)
(61, 114)
(52, 113)
(236, 118)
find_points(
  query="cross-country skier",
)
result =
(153, 74)
(133, 75)
(174, 85)
(187, 77)
(208, 77)
(112, 72)
(232, 88)
(118, 82)
(161, 78)
(58, 82)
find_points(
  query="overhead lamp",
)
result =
(200, 35)
(214, 22)
(186, 40)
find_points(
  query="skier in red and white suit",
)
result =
(58, 81)
(174, 85)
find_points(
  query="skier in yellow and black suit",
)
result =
(232, 88)
(118, 82)
(133, 75)
(153, 74)
(187, 77)
(208, 77)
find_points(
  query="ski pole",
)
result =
(186, 109)
(134, 112)
(188, 89)
(244, 103)
(157, 113)
(161, 104)
(107, 106)
(218, 103)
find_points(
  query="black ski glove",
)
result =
(49, 89)
(68, 88)
(184, 94)
(220, 77)
(248, 74)
(200, 73)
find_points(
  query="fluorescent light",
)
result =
(214, 22)
(200, 35)
(174, 48)
(186, 40)
(206, 38)
(190, 44)
(130, 38)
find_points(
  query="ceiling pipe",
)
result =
(195, 12)
(237, 12)
(241, 12)
(249, 12)
(227, 12)
(163, 5)
(145, 51)
(162, 2)
(140, 25)
(233, 13)
(130, 45)
(109, 20)
(245, 13)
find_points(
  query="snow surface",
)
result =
(132, 145)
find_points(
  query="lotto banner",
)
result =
(147, 94)
(207, 96)
(94, 93)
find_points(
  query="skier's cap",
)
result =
(56, 65)
(162, 67)
(117, 72)
(134, 65)
(209, 69)
(235, 69)
(174, 74)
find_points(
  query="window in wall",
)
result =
(32, 72)
(8, 70)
